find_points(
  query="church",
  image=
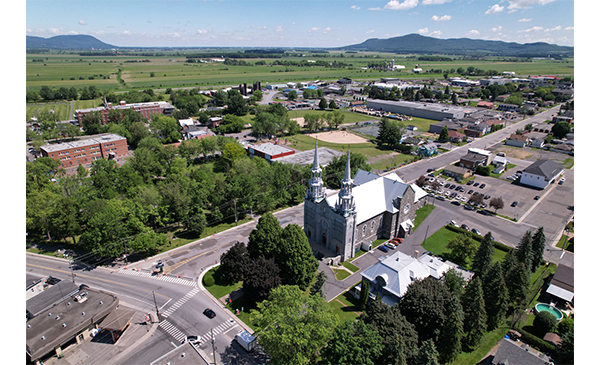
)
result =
(366, 208)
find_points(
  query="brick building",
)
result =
(146, 109)
(83, 152)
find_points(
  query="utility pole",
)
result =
(212, 339)
(235, 210)
(156, 306)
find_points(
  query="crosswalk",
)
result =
(180, 302)
(167, 278)
(172, 330)
(206, 338)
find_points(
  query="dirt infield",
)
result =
(338, 137)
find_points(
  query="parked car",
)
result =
(429, 170)
(537, 197)
(453, 195)
(470, 182)
(463, 199)
(453, 223)
(470, 191)
(209, 313)
(469, 207)
(455, 202)
(486, 197)
(462, 190)
(476, 184)
(447, 185)
(439, 197)
(464, 226)
(383, 248)
(476, 231)
(390, 245)
(514, 204)
(482, 186)
(452, 186)
(562, 180)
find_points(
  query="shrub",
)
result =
(208, 280)
(536, 342)
(544, 322)
(564, 326)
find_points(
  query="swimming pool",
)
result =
(541, 307)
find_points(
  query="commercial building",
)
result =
(65, 316)
(269, 151)
(146, 109)
(541, 173)
(83, 152)
(422, 110)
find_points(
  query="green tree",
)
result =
(323, 104)
(428, 354)
(449, 344)
(148, 242)
(234, 263)
(334, 172)
(292, 95)
(462, 249)
(363, 301)
(317, 287)
(236, 103)
(495, 295)
(332, 104)
(517, 283)
(444, 134)
(483, 256)
(294, 326)
(353, 343)
(265, 239)
(538, 245)
(390, 132)
(560, 129)
(475, 323)
(565, 352)
(262, 276)
(196, 222)
(311, 122)
(92, 123)
(544, 322)
(454, 281)
(165, 128)
(524, 253)
(295, 259)
(564, 326)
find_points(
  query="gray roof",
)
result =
(564, 277)
(546, 168)
(32, 279)
(50, 296)
(511, 353)
(97, 139)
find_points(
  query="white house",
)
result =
(541, 173)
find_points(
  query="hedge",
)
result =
(536, 342)
(208, 280)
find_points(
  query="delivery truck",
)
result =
(246, 340)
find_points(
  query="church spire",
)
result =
(345, 203)
(315, 185)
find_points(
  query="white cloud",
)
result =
(553, 29)
(373, 8)
(355, 7)
(202, 31)
(473, 32)
(497, 29)
(436, 33)
(279, 28)
(525, 20)
(405, 5)
(534, 29)
(423, 31)
(53, 31)
(82, 22)
(370, 31)
(441, 18)
(435, 2)
(326, 30)
(495, 9)
(125, 32)
(262, 28)
(314, 29)
(72, 32)
(524, 4)
(175, 35)
(569, 28)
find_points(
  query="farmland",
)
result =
(169, 69)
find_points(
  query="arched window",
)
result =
(364, 229)
(372, 226)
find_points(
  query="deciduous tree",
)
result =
(353, 343)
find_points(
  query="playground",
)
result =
(342, 137)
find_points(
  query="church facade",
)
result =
(366, 208)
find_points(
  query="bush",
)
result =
(208, 280)
(544, 322)
(564, 326)
(536, 342)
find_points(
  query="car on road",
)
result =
(476, 231)
(469, 207)
(384, 248)
(429, 170)
(484, 212)
(52, 280)
(192, 339)
(464, 226)
(455, 202)
(514, 204)
(209, 313)
(439, 197)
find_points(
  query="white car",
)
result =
(453, 223)
(464, 199)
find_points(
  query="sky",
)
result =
(299, 23)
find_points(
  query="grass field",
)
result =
(169, 69)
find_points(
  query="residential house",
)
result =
(510, 352)
(517, 140)
(564, 148)
(455, 136)
(456, 172)
(392, 275)
(486, 104)
(495, 122)
(471, 160)
(562, 118)
(413, 141)
(541, 173)
(196, 133)
(500, 163)
(428, 150)
(537, 139)
(186, 123)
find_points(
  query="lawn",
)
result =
(437, 242)
(340, 274)
(422, 213)
(488, 341)
(350, 266)
(345, 306)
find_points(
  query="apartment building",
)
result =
(83, 152)
(146, 109)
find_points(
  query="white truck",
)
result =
(246, 340)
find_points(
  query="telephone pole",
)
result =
(156, 306)
(212, 339)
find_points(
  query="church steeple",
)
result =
(315, 185)
(345, 203)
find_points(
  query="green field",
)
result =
(170, 70)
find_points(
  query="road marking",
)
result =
(167, 278)
(180, 302)
(171, 268)
(165, 303)
(172, 330)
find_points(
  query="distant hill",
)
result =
(86, 42)
(415, 43)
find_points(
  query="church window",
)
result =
(380, 222)
(372, 226)
(364, 229)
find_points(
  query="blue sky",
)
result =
(298, 23)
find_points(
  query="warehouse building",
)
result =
(421, 110)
